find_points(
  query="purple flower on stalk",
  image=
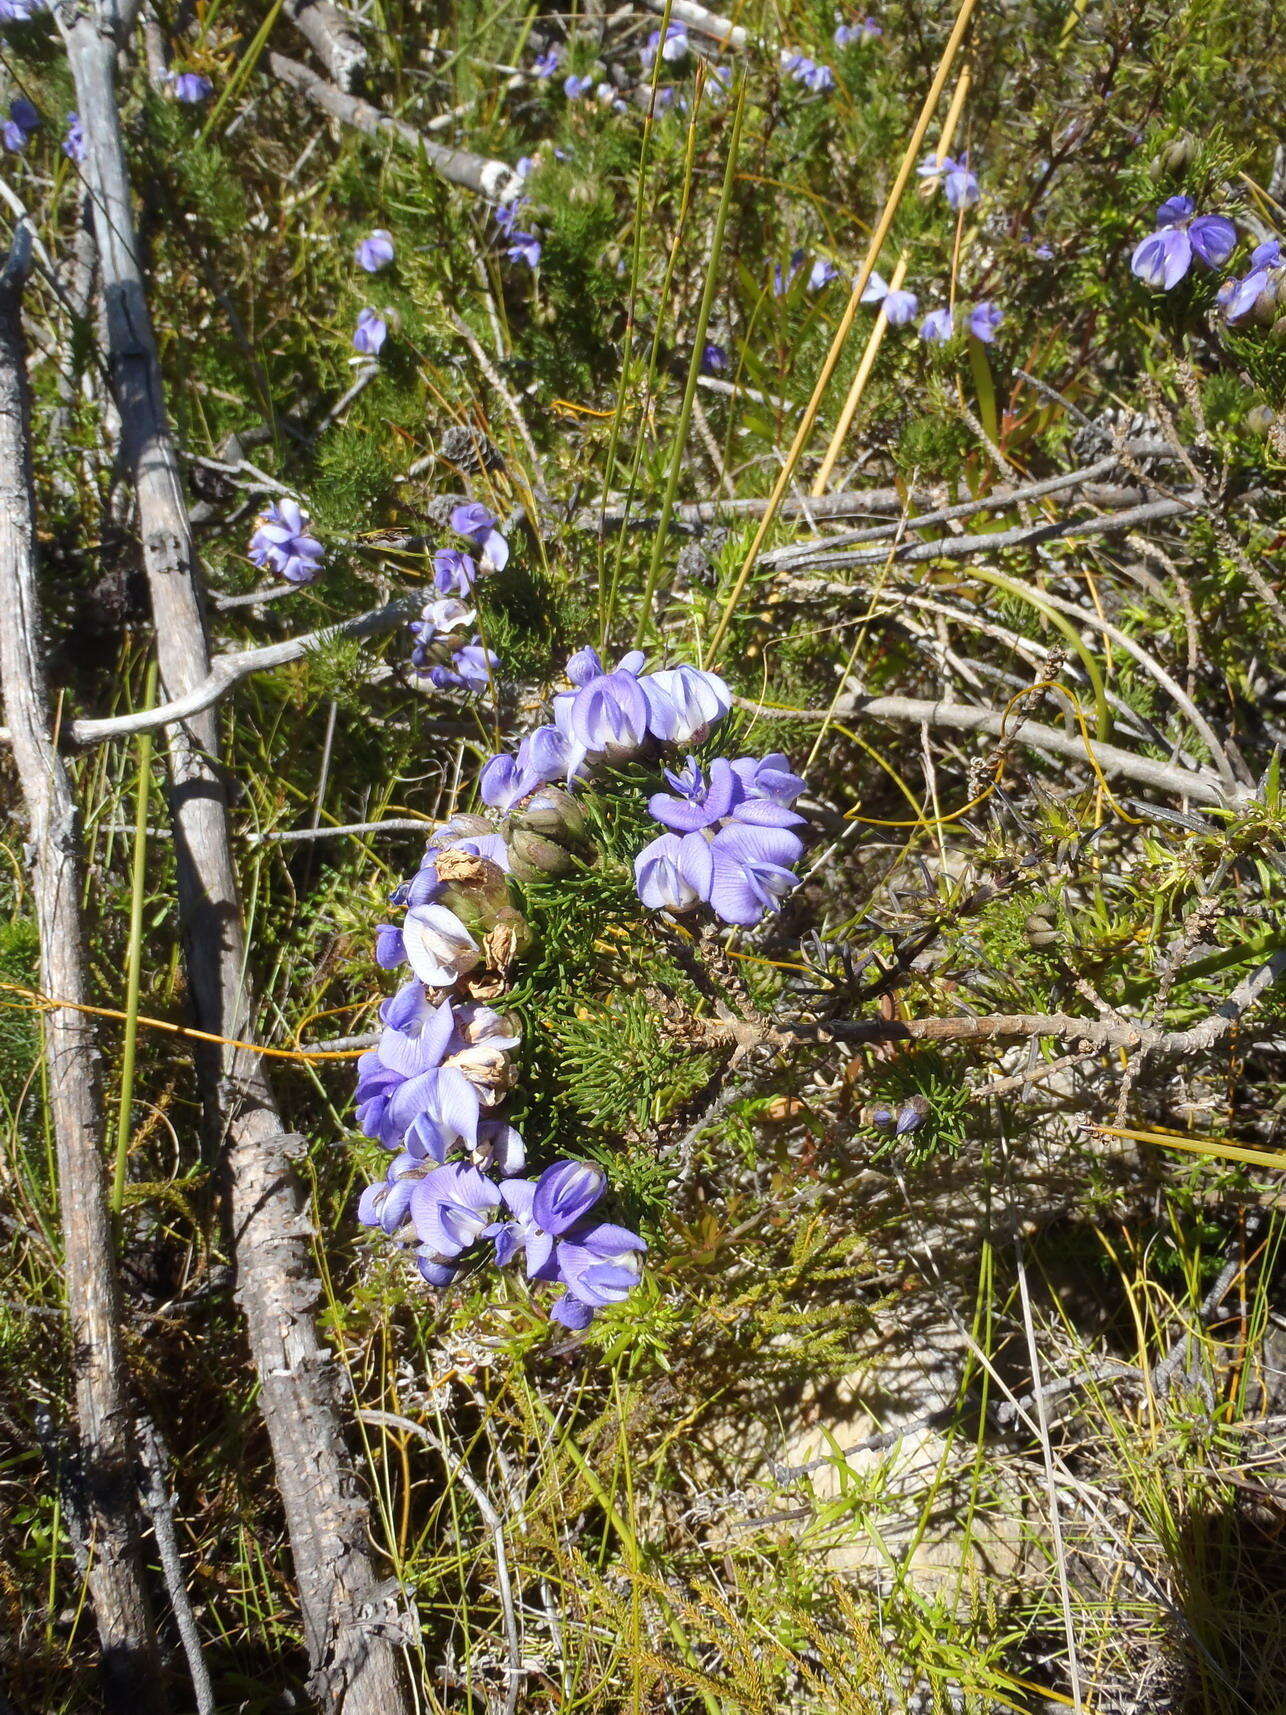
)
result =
(370, 333)
(899, 306)
(768, 777)
(714, 359)
(191, 87)
(671, 873)
(452, 1208)
(699, 801)
(546, 64)
(18, 11)
(17, 128)
(506, 216)
(74, 141)
(818, 78)
(984, 319)
(822, 273)
(375, 252)
(937, 326)
(596, 1261)
(1165, 256)
(783, 280)
(574, 87)
(281, 542)
(524, 247)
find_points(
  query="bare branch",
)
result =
(324, 30)
(486, 178)
(967, 717)
(131, 1665)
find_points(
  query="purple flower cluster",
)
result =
(899, 307)
(820, 79)
(730, 840)
(281, 542)
(673, 49)
(849, 35)
(546, 64)
(74, 141)
(18, 11)
(610, 715)
(425, 1092)
(443, 657)
(1166, 254)
(938, 326)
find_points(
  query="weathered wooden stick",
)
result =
(323, 29)
(486, 178)
(356, 1668)
(117, 1588)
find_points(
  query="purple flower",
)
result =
(439, 948)
(472, 669)
(673, 49)
(672, 872)
(574, 87)
(684, 703)
(17, 128)
(713, 359)
(908, 1116)
(479, 525)
(452, 1208)
(375, 252)
(822, 273)
(281, 543)
(984, 319)
(506, 216)
(370, 333)
(768, 777)
(17, 11)
(546, 64)
(524, 247)
(900, 307)
(74, 141)
(959, 183)
(750, 871)
(607, 719)
(191, 87)
(936, 326)
(1267, 255)
(502, 784)
(846, 35)
(700, 801)
(596, 1261)
(1238, 297)
(818, 78)
(454, 571)
(1165, 256)
(404, 1075)
(543, 755)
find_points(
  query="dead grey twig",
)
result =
(131, 1665)
(157, 1500)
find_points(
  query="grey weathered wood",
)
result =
(107, 1453)
(356, 1668)
(486, 178)
(323, 29)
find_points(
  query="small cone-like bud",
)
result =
(1176, 156)
(473, 887)
(532, 856)
(555, 814)
(507, 940)
(1260, 419)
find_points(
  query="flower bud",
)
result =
(555, 814)
(1278, 329)
(532, 856)
(1040, 930)
(1176, 156)
(507, 940)
(473, 887)
(1260, 419)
